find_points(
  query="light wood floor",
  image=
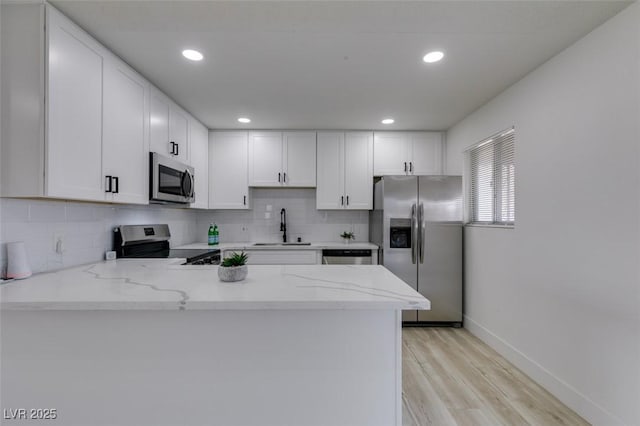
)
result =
(452, 378)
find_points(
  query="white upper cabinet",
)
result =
(358, 170)
(282, 159)
(391, 153)
(426, 154)
(199, 147)
(407, 153)
(299, 159)
(228, 160)
(345, 170)
(179, 133)
(330, 185)
(90, 118)
(169, 128)
(265, 159)
(125, 158)
(74, 113)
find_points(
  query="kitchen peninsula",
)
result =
(153, 342)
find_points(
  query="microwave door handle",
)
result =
(187, 192)
(414, 234)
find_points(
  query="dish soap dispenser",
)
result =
(211, 237)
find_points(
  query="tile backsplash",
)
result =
(303, 220)
(85, 228)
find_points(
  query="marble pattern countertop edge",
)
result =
(163, 284)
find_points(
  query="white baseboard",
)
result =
(570, 396)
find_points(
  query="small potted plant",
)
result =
(348, 236)
(233, 268)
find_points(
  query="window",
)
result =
(491, 180)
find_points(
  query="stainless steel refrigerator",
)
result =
(417, 223)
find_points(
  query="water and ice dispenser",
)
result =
(400, 233)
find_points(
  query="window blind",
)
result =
(492, 180)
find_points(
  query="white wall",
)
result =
(86, 229)
(559, 295)
(303, 220)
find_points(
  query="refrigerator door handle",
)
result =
(414, 234)
(421, 231)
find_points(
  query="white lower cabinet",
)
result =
(281, 257)
(345, 170)
(228, 186)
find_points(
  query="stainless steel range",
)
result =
(152, 241)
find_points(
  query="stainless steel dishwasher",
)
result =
(346, 257)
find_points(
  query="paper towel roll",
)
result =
(17, 264)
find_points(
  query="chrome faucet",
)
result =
(283, 224)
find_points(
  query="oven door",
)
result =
(170, 181)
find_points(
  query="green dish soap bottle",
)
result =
(211, 238)
(216, 234)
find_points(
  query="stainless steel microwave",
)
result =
(170, 181)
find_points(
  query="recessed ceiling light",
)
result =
(244, 120)
(192, 55)
(432, 57)
(388, 121)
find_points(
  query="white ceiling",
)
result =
(335, 64)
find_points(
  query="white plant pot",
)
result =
(232, 273)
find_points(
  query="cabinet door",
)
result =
(228, 188)
(358, 175)
(426, 158)
(391, 151)
(330, 185)
(159, 124)
(125, 149)
(299, 159)
(265, 159)
(74, 115)
(199, 147)
(179, 133)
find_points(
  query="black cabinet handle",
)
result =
(405, 167)
(411, 166)
(117, 185)
(177, 149)
(173, 148)
(279, 177)
(244, 200)
(347, 200)
(342, 200)
(284, 177)
(107, 184)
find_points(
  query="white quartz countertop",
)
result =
(278, 246)
(164, 284)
